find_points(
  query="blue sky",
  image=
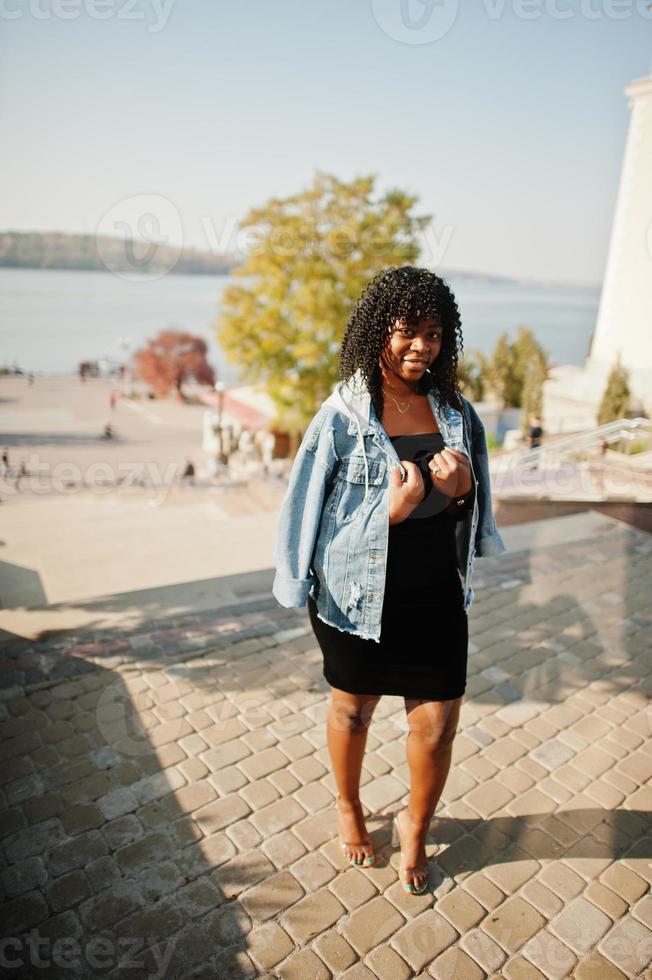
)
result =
(510, 126)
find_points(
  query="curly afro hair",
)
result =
(407, 294)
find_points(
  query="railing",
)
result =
(556, 470)
(549, 452)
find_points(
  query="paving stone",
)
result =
(23, 912)
(220, 813)
(158, 880)
(268, 945)
(596, 967)
(243, 871)
(313, 870)
(381, 793)
(358, 972)
(68, 890)
(461, 910)
(487, 802)
(277, 816)
(334, 951)
(371, 925)
(483, 950)
(518, 968)
(421, 940)
(33, 840)
(552, 957)
(26, 876)
(484, 890)
(272, 896)
(312, 915)
(561, 880)
(303, 964)
(210, 852)
(625, 883)
(513, 923)
(515, 867)
(629, 945)
(146, 851)
(111, 905)
(455, 964)
(76, 853)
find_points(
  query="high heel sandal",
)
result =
(409, 887)
(369, 861)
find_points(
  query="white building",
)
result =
(572, 395)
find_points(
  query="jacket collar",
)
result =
(353, 399)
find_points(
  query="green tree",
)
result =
(615, 400)
(499, 372)
(516, 371)
(471, 371)
(531, 369)
(314, 252)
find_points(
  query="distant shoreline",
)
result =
(448, 274)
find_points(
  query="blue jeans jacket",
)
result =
(332, 532)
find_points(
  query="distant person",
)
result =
(5, 461)
(21, 474)
(188, 475)
(108, 431)
(30, 378)
(535, 433)
(112, 400)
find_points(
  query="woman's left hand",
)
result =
(453, 478)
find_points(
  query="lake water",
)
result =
(52, 319)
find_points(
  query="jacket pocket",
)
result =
(348, 494)
(352, 470)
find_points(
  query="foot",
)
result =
(413, 870)
(352, 831)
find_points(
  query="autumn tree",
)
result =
(283, 321)
(171, 359)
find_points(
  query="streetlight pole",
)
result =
(219, 389)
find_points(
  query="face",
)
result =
(412, 348)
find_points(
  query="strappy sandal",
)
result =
(408, 885)
(369, 861)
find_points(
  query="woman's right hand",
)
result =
(404, 496)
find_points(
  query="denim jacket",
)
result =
(332, 533)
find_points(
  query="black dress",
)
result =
(423, 646)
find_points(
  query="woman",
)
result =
(387, 506)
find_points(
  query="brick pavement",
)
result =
(166, 804)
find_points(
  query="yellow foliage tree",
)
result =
(310, 256)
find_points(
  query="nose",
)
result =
(419, 345)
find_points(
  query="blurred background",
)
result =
(195, 195)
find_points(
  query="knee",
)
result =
(438, 740)
(350, 718)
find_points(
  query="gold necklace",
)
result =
(401, 411)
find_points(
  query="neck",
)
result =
(394, 385)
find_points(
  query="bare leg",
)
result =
(432, 725)
(348, 723)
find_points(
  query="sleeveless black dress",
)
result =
(423, 646)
